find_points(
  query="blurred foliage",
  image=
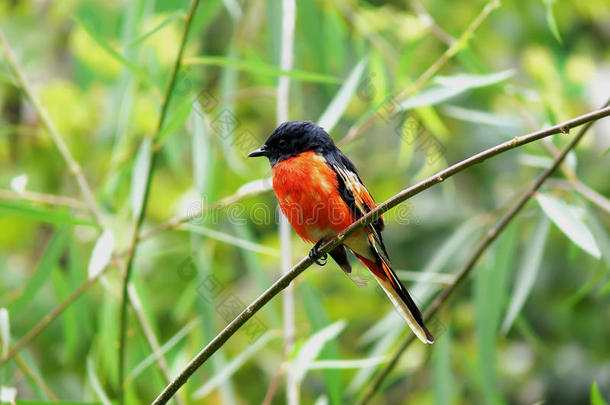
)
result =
(100, 69)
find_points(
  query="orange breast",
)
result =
(306, 189)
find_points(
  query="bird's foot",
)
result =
(314, 252)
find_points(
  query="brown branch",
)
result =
(304, 263)
(461, 275)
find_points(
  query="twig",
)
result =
(427, 19)
(461, 275)
(427, 75)
(43, 198)
(74, 167)
(151, 338)
(36, 378)
(304, 263)
(282, 107)
(142, 212)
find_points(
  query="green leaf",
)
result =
(261, 68)
(601, 236)
(431, 96)
(596, 396)
(468, 81)
(563, 215)
(550, 19)
(112, 52)
(5, 331)
(102, 253)
(233, 366)
(200, 152)
(139, 176)
(167, 346)
(230, 239)
(32, 213)
(312, 348)
(95, 383)
(528, 272)
(441, 365)
(480, 117)
(335, 109)
(174, 16)
(347, 364)
(49, 260)
(176, 121)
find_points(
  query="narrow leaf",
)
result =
(32, 213)
(139, 176)
(5, 331)
(50, 258)
(468, 81)
(530, 265)
(347, 364)
(596, 396)
(573, 227)
(102, 253)
(335, 109)
(231, 368)
(233, 240)
(550, 19)
(312, 347)
(174, 16)
(441, 363)
(479, 117)
(261, 68)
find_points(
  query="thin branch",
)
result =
(304, 263)
(43, 198)
(36, 378)
(73, 165)
(151, 338)
(427, 19)
(461, 275)
(142, 213)
(427, 75)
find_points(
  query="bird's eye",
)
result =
(282, 143)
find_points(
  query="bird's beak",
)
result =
(262, 151)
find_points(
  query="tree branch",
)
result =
(492, 234)
(304, 263)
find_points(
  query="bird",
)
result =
(320, 192)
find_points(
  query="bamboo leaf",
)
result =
(479, 117)
(174, 16)
(550, 19)
(102, 253)
(528, 271)
(139, 176)
(49, 260)
(231, 368)
(261, 68)
(200, 152)
(441, 364)
(573, 227)
(312, 347)
(230, 239)
(32, 213)
(337, 106)
(95, 383)
(596, 396)
(5, 331)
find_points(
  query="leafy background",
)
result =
(532, 322)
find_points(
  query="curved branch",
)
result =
(492, 234)
(304, 263)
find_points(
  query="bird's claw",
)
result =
(313, 255)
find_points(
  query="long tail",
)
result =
(398, 294)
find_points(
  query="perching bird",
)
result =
(320, 192)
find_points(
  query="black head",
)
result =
(293, 138)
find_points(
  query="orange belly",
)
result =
(306, 189)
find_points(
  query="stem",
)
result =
(73, 165)
(492, 234)
(283, 101)
(304, 263)
(142, 213)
